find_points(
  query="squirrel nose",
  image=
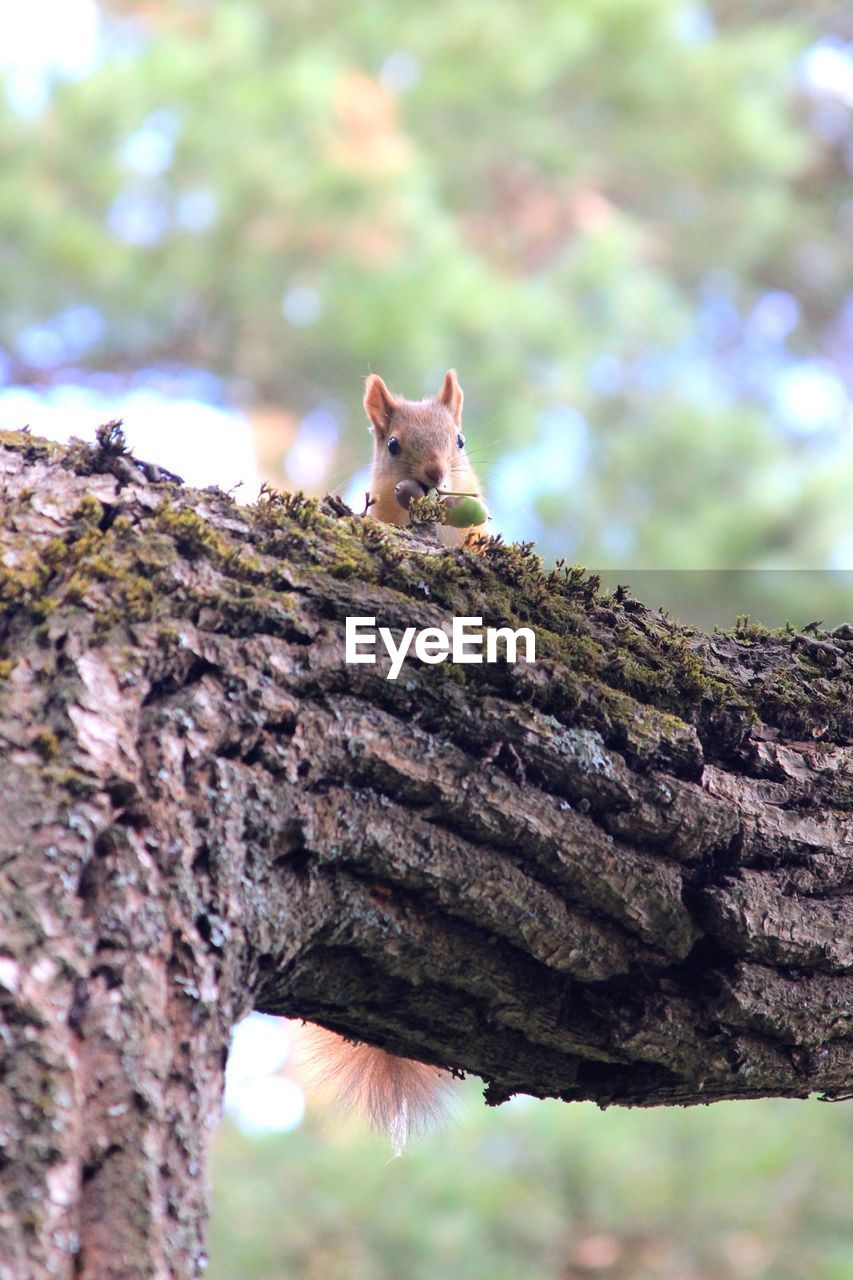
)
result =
(433, 473)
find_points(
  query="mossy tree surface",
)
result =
(619, 873)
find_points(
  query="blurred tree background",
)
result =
(627, 223)
(545, 1191)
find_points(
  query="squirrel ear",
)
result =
(451, 395)
(379, 404)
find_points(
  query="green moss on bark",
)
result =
(608, 659)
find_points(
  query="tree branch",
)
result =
(619, 873)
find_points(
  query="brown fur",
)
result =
(398, 1097)
(426, 431)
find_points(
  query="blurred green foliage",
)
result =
(546, 1191)
(626, 222)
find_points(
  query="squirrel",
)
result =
(417, 446)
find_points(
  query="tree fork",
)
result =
(620, 873)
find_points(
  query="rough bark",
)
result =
(621, 873)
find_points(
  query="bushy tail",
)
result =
(396, 1096)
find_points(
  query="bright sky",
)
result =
(199, 442)
(43, 37)
(257, 1096)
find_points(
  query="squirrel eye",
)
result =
(394, 446)
(460, 440)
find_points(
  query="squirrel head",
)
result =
(416, 439)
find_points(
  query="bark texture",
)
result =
(621, 873)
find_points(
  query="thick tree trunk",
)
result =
(619, 873)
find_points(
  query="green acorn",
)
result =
(466, 513)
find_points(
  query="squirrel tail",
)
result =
(397, 1097)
